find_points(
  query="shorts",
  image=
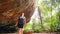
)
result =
(20, 25)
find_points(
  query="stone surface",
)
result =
(10, 10)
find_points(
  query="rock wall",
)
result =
(11, 9)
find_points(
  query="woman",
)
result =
(21, 23)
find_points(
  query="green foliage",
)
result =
(28, 26)
(47, 7)
(50, 19)
(37, 28)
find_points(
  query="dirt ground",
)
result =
(32, 33)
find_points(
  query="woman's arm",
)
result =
(16, 23)
(24, 22)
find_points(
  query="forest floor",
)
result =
(32, 33)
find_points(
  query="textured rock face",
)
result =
(11, 9)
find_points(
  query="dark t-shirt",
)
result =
(20, 22)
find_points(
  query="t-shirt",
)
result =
(21, 20)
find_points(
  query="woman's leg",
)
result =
(20, 31)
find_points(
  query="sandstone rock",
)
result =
(10, 10)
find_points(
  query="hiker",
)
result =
(21, 23)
